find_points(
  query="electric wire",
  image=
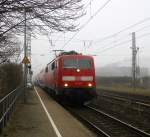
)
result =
(109, 37)
(94, 41)
(127, 28)
(113, 35)
(59, 36)
(115, 41)
(122, 43)
(86, 23)
(89, 4)
(114, 46)
(140, 29)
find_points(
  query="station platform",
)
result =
(41, 116)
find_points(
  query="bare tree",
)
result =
(41, 15)
(8, 47)
(57, 15)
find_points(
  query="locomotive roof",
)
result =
(71, 55)
(78, 55)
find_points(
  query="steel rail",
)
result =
(128, 125)
(127, 99)
(97, 129)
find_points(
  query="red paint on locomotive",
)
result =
(71, 75)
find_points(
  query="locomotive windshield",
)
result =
(83, 63)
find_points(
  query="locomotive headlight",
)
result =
(90, 85)
(78, 70)
(65, 85)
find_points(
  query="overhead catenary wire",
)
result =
(115, 41)
(101, 40)
(59, 36)
(114, 46)
(140, 29)
(110, 42)
(86, 23)
(127, 28)
(122, 43)
(112, 35)
(107, 37)
(89, 4)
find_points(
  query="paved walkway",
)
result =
(41, 116)
(29, 120)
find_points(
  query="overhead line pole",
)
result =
(134, 60)
(28, 43)
(25, 55)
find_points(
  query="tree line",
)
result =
(10, 77)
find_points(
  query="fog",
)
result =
(107, 35)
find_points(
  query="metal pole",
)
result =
(84, 47)
(25, 55)
(134, 51)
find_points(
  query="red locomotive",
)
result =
(70, 75)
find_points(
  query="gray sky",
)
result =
(114, 17)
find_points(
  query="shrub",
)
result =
(10, 77)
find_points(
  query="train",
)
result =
(70, 76)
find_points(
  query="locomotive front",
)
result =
(78, 77)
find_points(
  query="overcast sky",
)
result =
(93, 37)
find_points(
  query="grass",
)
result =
(129, 90)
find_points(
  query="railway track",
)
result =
(106, 125)
(138, 99)
(137, 104)
(131, 110)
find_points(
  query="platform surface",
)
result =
(32, 120)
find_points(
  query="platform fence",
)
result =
(7, 106)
